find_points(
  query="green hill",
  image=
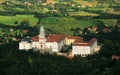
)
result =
(10, 20)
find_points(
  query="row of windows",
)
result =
(36, 46)
(82, 55)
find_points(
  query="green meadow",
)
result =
(55, 24)
(64, 25)
(10, 20)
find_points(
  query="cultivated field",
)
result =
(9, 20)
(104, 7)
(82, 13)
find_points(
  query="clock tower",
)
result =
(42, 38)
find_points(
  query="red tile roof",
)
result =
(73, 37)
(116, 57)
(92, 41)
(35, 38)
(47, 35)
(77, 38)
(55, 38)
(81, 44)
(25, 31)
(85, 43)
(107, 30)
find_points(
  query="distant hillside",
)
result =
(78, 1)
(6, 0)
(2, 1)
(97, 1)
(19, 0)
(27, 0)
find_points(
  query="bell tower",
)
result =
(42, 32)
(42, 38)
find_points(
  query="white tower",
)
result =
(42, 32)
(42, 38)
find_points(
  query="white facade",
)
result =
(35, 45)
(84, 49)
(55, 43)
(49, 45)
(55, 47)
(61, 44)
(24, 45)
(93, 47)
(42, 43)
(81, 50)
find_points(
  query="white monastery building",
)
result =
(42, 42)
(84, 48)
(55, 42)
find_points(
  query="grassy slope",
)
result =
(63, 25)
(82, 13)
(5, 0)
(11, 19)
(109, 21)
(104, 7)
(84, 2)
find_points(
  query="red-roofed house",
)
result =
(56, 42)
(84, 48)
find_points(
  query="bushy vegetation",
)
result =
(10, 20)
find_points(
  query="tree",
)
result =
(111, 2)
(0, 32)
(118, 22)
(85, 31)
(24, 23)
(16, 22)
(99, 24)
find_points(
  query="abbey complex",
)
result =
(55, 42)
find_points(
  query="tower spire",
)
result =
(42, 39)
(42, 32)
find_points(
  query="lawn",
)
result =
(115, 12)
(9, 20)
(109, 22)
(84, 2)
(82, 13)
(64, 25)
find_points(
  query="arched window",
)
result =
(41, 46)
